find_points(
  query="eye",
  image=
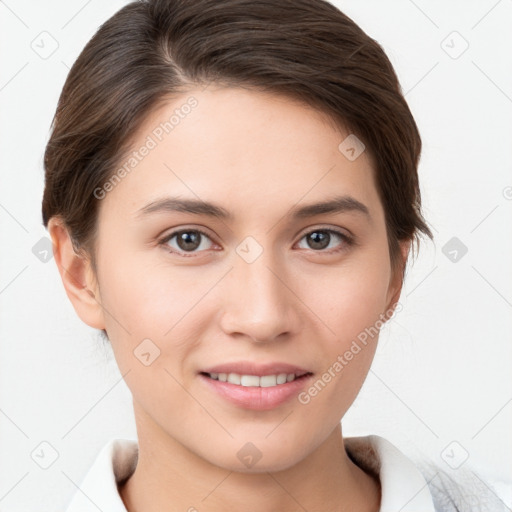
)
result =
(195, 240)
(186, 241)
(320, 239)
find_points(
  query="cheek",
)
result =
(151, 298)
(351, 298)
(350, 301)
(352, 310)
(158, 303)
(148, 314)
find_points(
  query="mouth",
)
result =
(256, 381)
(257, 387)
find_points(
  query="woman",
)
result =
(232, 194)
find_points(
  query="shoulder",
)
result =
(403, 486)
(461, 490)
(98, 490)
(420, 486)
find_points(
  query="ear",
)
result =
(397, 276)
(77, 276)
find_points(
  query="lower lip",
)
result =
(257, 398)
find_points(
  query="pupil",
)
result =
(320, 240)
(188, 240)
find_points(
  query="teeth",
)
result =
(265, 381)
(281, 378)
(268, 380)
(234, 378)
(249, 380)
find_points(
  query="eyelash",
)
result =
(347, 240)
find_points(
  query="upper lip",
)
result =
(252, 368)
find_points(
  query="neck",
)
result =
(169, 477)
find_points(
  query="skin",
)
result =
(295, 303)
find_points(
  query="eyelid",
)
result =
(174, 231)
(320, 227)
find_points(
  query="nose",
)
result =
(259, 301)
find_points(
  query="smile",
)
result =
(254, 381)
(256, 392)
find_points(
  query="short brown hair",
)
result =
(152, 50)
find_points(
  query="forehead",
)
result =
(251, 149)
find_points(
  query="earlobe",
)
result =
(77, 276)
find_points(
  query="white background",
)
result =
(443, 368)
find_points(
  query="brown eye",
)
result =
(321, 239)
(318, 239)
(188, 240)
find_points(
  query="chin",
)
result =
(249, 459)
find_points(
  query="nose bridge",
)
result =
(258, 303)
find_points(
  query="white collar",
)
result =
(403, 486)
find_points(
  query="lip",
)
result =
(256, 398)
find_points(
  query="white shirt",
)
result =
(403, 487)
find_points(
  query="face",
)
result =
(252, 281)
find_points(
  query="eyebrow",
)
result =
(338, 204)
